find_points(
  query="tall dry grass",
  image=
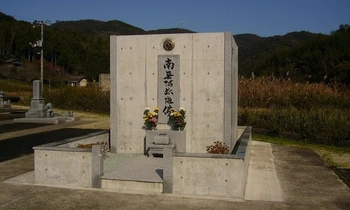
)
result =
(318, 113)
(280, 93)
(15, 87)
(90, 99)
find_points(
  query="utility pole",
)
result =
(41, 44)
(42, 57)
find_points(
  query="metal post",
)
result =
(42, 57)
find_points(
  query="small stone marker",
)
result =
(4, 103)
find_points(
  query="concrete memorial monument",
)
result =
(193, 74)
(190, 80)
(196, 71)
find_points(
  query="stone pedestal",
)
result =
(161, 139)
(37, 108)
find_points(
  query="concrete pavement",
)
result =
(262, 181)
(305, 183)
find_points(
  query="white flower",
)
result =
(147, 108)
(181, 108)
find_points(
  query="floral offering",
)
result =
(150, 119)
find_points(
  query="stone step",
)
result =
(132, 186)
(140, 174)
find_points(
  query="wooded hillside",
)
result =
(82, 48)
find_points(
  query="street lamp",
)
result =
(40, 44)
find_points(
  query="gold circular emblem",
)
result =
(168, 45)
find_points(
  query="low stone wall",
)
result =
(219, 176)
(63, 168)
(62, 165)
(197, 174)
(214, 175)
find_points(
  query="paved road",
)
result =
(305, 181)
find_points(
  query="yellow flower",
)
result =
(156, 109)
(145, 118)
(177, 114)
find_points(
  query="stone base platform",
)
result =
(71, 119)
(49, 120)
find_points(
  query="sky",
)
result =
(262, 17)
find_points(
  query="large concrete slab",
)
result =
(137, 174)
(140, 168)
(48, 120)
(262, 181)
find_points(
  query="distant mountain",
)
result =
(253, 48)
(4, 17)
(113, 27)
(243, 41)
(82, 48)
(96, 27)
(169, 31)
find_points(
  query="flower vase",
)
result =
(172, 126)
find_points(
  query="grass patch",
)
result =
(332, 155)
(322, 126)
(302, 144)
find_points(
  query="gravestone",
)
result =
(196, 71)
(39, 112)
(3, 102)
(37, 108)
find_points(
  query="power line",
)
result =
(181, 22)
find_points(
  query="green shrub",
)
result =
(325, 126)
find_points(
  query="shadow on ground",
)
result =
(18, 146)
(11, 127)
(9, 114)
